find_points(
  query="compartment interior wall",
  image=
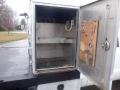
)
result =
(55, 55)
(54, 14)
(51, 30)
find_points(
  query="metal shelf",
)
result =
(48, 63)
(54, 41)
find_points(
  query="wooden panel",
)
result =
(88, 41)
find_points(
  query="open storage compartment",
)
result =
(55, 38)
(68, 38)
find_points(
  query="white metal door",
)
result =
(98, 37)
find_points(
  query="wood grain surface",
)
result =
(88, 41)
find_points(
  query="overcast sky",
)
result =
(19, 6)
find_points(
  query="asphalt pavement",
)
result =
(14, 58)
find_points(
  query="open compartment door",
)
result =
(98, 37)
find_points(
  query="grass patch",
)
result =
(12, 36)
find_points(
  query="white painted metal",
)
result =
(101, 74)
(49, 27)
(68, 85)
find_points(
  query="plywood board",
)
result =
(88, 41)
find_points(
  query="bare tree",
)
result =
(6, 16)
(2, 2)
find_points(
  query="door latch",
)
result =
(106, 45)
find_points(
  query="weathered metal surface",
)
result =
(88, 42)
